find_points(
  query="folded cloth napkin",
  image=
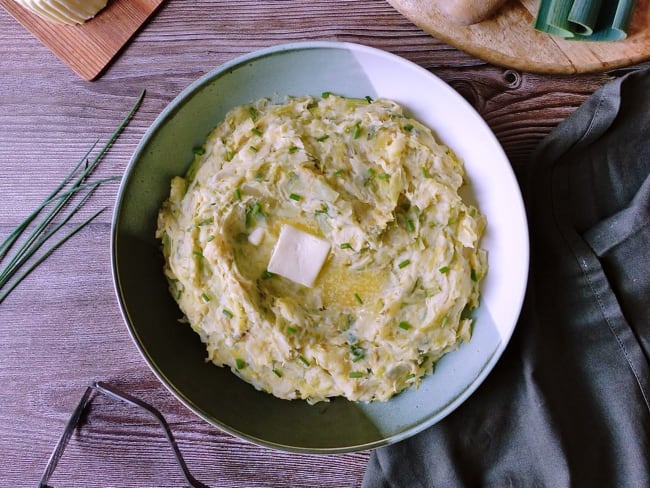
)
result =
(568, 404)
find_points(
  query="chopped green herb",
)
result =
(199, 151)
(473, 276)
(346, 245)
(410, 376)
(295, 197)
(325, 94)
(293, 149)
(356, 374)
(266, 274)
(211, 238)
(253, 112)
(358, 299)
(323, 209)
(323, 138)
(444, 269)
(408, 127)
(404, 263)
(444, 321)
(197, 254)
(238, 194)
(253, 148)
(303, 360)
(371, 172)
(404, 325)
(410, 226)
(291, 330)
(368, 98)
(205, 297)
(229, 155)
(277, 372)
(240, 363)
(357, 352)
(252, 213)
(383, 176)
(339, 172)
(256, 131)
(356, 131)
(425, 172)
(228, 313)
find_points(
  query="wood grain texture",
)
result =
(88, 48)
(61, 328)
(509, 39)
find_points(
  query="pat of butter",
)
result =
(256, 237)
(298, 256)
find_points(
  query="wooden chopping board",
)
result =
(88, 48)
(509, 39)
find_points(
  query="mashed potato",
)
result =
(403, 268)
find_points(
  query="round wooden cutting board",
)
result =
(509, 39)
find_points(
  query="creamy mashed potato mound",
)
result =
(400, 279)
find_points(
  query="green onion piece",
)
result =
(358, 299)
(256, 131)
(371, 172)
(339, 172)
(303, 360)
(277, 372)
(473, 276)
(404, 263)
(383, 176)
(253, 148)
(357, 352)
(356, 131)
(228, 313)
(293, 149)
(291, 330)
(240, 363)
(253, 112)
(444, 321)
(325, 94)
(356, 374)
(252, 213)
(368, 98)
(295, 197)
(323, 209)
(346, 245)
(444, 269)
(410, 376)
(266, 274)
(408, 127)
(425, 172)
(323, 138)
(410, 226)
(199, 151)
(404, 325)
(197, 254)
(229, 155)
(238, 194)
(205, 297)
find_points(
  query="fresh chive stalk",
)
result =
(25, 258)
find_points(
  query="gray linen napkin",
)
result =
(568, 404)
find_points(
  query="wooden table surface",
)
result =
(61, 328)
